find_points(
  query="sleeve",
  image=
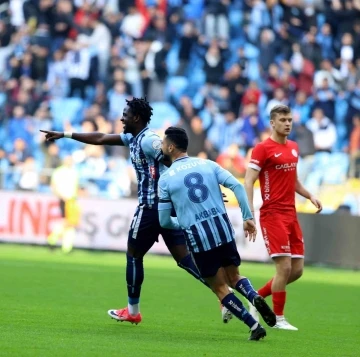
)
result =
(165, 207)
(152, 147)
(125, 138)
(164, 197)
(234, 185)
(258, 157)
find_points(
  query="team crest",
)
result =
(156, 144)
(294, 152)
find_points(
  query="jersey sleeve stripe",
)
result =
(254, 166)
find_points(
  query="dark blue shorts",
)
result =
(210, 261)
(145, 230)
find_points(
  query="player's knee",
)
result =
(233, 279)
(284, 269)
(297, 273)
(134, 253)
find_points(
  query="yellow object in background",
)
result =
(72, 212)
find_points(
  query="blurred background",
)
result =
(214, 67)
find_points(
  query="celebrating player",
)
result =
(274, 162)
(146, 157)
(191, 187)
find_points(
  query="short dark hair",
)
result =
(178, 137)
(142, 108)
(279, 109)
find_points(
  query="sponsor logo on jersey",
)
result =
(152, 172)
(294, 152)
(286, 167)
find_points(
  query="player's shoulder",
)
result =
(292, 144)
(151, 140)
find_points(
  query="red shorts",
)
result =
(282, 234)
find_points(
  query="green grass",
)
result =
(55, 305)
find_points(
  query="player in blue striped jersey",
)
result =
(147, 159)
(191, 187)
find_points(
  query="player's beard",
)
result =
(167, 158)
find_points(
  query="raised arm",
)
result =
(250, 178)
(94, 138)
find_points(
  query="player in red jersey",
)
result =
(274, 162)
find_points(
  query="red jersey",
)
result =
(277, 165)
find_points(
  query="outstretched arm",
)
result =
(87, 138)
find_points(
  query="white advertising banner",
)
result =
(30, 217)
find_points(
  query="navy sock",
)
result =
(188, 264)
(238, 309)
(245, 288)
(134, 278)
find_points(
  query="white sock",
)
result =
(134, 309)
(254, 327)
(231, 290)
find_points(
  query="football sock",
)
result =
(55, 234)
(265, 291)
(238, 309)
(279, 299)
(245, 288)
(187, 263)
(68, 240)
(134, 279)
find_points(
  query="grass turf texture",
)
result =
(55, 305)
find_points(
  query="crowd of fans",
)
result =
(214, 67)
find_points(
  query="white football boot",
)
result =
(282, 324)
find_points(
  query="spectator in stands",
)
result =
(228, 54)
(325, 99)
(78, 60)
(324, 131)
(354, 148)
(232, 161)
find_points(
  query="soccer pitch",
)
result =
(55, 305)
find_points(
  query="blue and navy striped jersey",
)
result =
(146, 154)
(192, 186)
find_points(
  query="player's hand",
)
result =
(225, 199)
(250, 229)
(316, 203)
(52, 135)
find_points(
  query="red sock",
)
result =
(265, 291)
(279, 299)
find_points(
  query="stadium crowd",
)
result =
(214, 67)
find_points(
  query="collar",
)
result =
(181, 158)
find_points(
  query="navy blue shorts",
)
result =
(145, 230)
(210, 261)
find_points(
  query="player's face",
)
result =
(128, 120)
(167, 148)
(282, 124)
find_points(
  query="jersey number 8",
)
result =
(197, 192)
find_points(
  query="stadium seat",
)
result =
(336, 170)
(66, 109)
(176, 87)
(164, 112)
